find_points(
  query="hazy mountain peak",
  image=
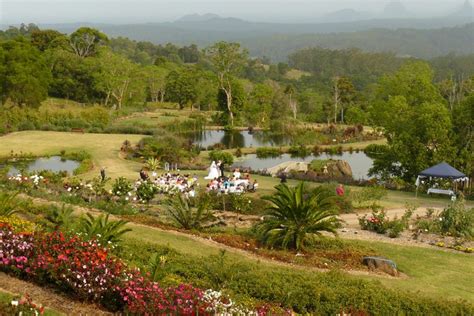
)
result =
(466, 10)
(395, 9)
(346, 15)
(198, 17)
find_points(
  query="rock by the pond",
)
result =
(339, 168)
(288, 166)
(381, 264)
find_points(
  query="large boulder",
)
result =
(381, 264)
(287, 167)
(339, 169)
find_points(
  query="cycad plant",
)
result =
(153, 164)
(185, 215)
(8, 203)
(101, 229)
(61, 218)
(294, 216)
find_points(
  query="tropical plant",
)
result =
(101, 229)
(185, 215)
(156, 265)
(152, 164)
(61, 218)
(294, 216)
(8, 203)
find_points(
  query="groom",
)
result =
(220, 165)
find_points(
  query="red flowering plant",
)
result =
(377, 222)
(83, 267)
(89, 272)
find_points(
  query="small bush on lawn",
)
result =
(226, 157)
(379, 223)
(266, 152)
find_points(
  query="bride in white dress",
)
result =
(213, 172)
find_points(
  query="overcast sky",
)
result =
(133, 11)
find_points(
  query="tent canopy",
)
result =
(442, 170)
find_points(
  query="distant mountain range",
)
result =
(418, 37)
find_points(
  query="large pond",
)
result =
(235, 139)
(54, 164)
(359, 162)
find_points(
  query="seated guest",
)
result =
(237, 174)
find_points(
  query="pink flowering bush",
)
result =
(15, 249)
(88, 271)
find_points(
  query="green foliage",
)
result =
(224, 156)
(416, 121)
(265, 152)
(8, 203)
(368, 195)
(146, 191)
(152, 164)
(25, 76)
(101, 229)
(85, 41)
(379, 223)
(185, 214)
(293, 217)
(457, 221)
(299, 151)
(181, 87)
(121, 187)
(61, 218)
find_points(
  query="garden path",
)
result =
(48, 297)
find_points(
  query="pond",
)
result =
(360, 163)
(53, 163)
(235, 139)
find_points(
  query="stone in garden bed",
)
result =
(381, 264)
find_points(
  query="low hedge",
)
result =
(304, 292)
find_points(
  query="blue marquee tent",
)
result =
(442, 170)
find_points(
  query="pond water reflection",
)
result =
(54, 164)
(360, 163)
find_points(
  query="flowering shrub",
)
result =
(377, 222)
(145, 191)
(15, 249)
(122, 188)
(88, 271)
(23, 306)
(18, 225)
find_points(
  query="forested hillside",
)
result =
(422, 38)
(404, 42)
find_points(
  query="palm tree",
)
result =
(8, 203)
(294, 217)
(101, 229)
(185, 215)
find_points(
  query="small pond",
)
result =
(359, 162)
(54, 164)
(235, 139)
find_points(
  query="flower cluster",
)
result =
(15, 249)
(90, 272)
(25, 306)
(28, 181)
(17, 224)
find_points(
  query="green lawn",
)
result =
(433, 272)
(430, 271)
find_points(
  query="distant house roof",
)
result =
(442, 170)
